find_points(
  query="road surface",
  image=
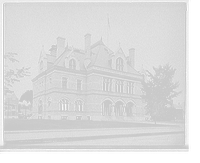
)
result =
(169, 136)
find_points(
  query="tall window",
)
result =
(119, 86)
(72, 64)
(130, 87)
(64, 105)
(79, 83)
(107, 84)
(64, 83)
(79, 105)
(119, 64)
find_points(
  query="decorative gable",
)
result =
(119, 61)
(72, 63)
(120, 51)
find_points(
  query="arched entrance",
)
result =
(119, 108)
(129, 109)
(79, 105)
(107, 108)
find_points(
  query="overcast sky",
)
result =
(155, 30)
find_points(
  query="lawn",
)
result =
(16, 124)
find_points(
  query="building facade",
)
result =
(11, 106)
(94, 83)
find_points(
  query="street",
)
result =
(169, 136)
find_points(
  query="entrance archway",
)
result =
(107, 108)
(119, 108)
(79, 105)
(129, 109)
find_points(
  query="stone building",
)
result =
(94, 83)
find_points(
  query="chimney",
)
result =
(53, 50)
(132, 57)
(87, 43)
(60, 45)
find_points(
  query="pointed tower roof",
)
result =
(119, 49)
(42, 54)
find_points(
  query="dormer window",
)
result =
(72, 64)
(119, 64)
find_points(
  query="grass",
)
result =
(17, 124)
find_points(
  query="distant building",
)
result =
(11, 106)
(179, 111)
(92, 83)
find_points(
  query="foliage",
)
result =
(12, 75)
(27, 96)
(159, 90)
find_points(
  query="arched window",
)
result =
(72, 64)
(119, 64)
(79, 105)
(41, 65)
(64, 105)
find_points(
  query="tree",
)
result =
(159, 91)
(27, 96)
(12, 75)
(172, 112)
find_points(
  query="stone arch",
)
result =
(119, 108)
(108, 98)
(120, 99)
(64, 104)
(130, 108)
(131, 101)
(107, 107)
(79, 105)
(65, 97)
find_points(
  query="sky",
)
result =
(157, 31)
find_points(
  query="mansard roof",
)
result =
(50, 58)
(100, 56)
(100, 42)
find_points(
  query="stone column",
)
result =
(124, 110)
(113, 110)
